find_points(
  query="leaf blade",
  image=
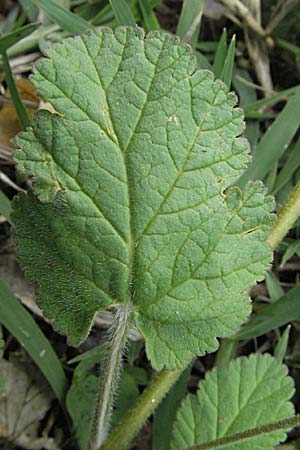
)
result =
(227, 396)
(22, 326)
(109, 187)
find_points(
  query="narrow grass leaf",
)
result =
(65, 19)
(274, 287)
(275, 315)
(293, 248)
(189, 21)
(226, 75)
(282, 344)
(220, 55)
(274, 142)
(122, 12)
(30, 9)
(269, 101)
(5, 207)
(150, 20)
(15, 36)
(290, 167)
(165, 414)
(22, 326)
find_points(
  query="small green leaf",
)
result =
(292, 249)
(249, 392)
(282, 344)
(65, 19)
(5, 207)
(220, 55)
(165, 414)
(283, 311)
(290, 167)
(122, 12)
(189, 21)
(22, 326)
(227, 71)
(274, 287)
(83, 392)
(275, 141)
(149, 17)
(131, 195)
(9, 39)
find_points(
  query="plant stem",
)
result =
(108, 378)
(249, 434)
(23, 115)
(129, 427)
(287, 216)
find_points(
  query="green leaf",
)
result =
(83, 392)
(15, 36)
(150, 20)
(292, 249)
(249, 392)
(165, 414)
(129, 195)
(5, 207)
(290, 167)
(283, 311)
(189, 21)
(22, 326)
(275, 141)
(227, 71)
(274, 287)
(220, 55)
(122, 12)
(65, 19)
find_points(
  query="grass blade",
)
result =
(21, 325)
(285, 310)
(165, 414)
(15, 36)
(220, 55)
(274, 142)
(122, 12)
(189, 21)
(289, 168)
(150, 20)
(65, 19)
(5, 207)
(22, 113)
(229, 64)
(268, 101)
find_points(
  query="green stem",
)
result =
(23, 115)
(287, 216)
(249, 434)
(227, 351)
(129, 427)
(108, 379)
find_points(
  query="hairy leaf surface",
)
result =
(249, 392)
(129, 197)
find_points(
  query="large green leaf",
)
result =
(249, 392)
(129, 197)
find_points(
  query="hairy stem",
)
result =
(129, 427)
(249, 434)
(23, 116)
(108, 378)
(287, 216)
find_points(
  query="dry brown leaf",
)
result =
(9, 124)
(24, 402)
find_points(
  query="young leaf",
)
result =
(122, 12)
(283, 311)
(248, 393)
(129, 197)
